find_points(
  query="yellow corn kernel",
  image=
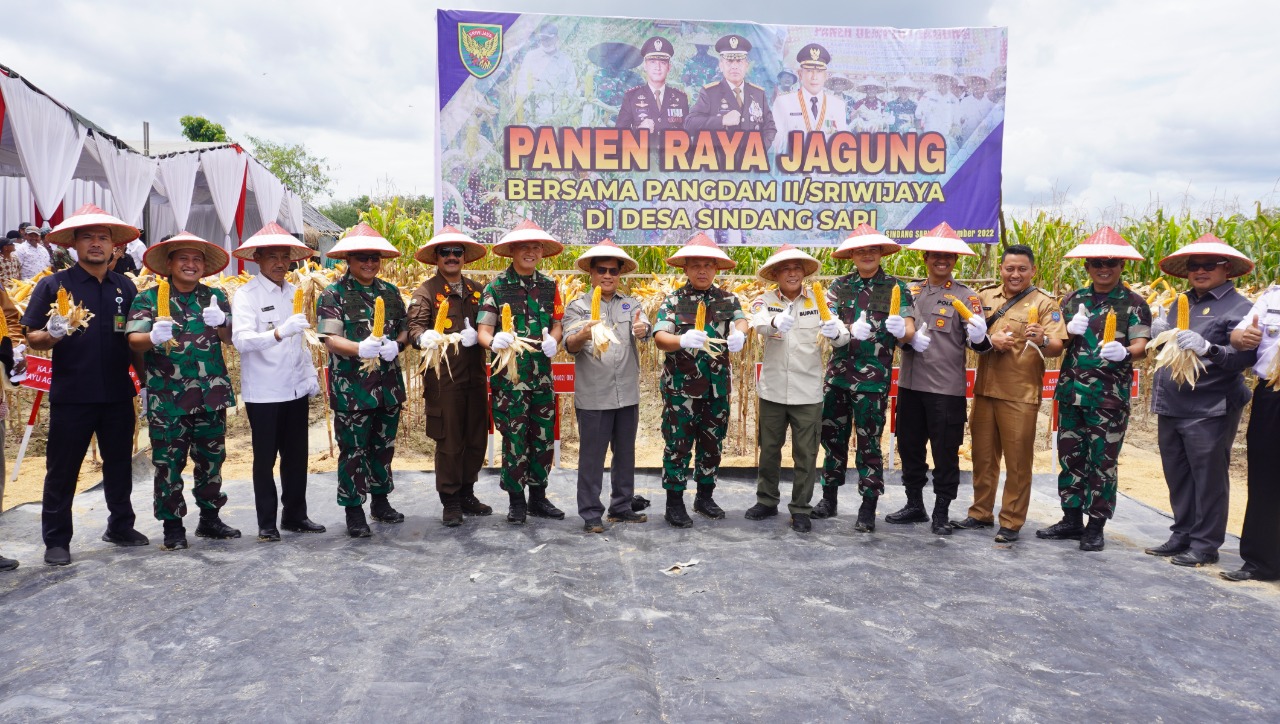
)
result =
(595, 305)
(442, 317)
(1184, 312)
(162, 300)
(1033, 315)
(1109, 327)
(700, 321)
(964, 311)
(824, 309)
(297, 300)
(508, 323)
(379, 317)
(895, 300)
(64, 302)
(4, 327)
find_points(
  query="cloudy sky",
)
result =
(1113, 105)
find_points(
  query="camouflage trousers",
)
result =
(692, 424)
(862, 413)
(1089, 442)
(525, 420)
(203, 435)
(366, 445)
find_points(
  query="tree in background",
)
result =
(304, 174)
(199, 128)
(347, 213)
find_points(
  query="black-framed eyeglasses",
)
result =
(608, 271)
(1105, 263)
(1205, 265)
(451, 251)
(363, 258)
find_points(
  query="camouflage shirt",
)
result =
(535, 306)
(1086, 379)
(191, 377)
(697, 373)
(864, 366)
(345, 309)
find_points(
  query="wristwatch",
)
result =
(1044, 342)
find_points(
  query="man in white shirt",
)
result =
(276, 379)
(31, 253)
(810, 107)
(136, 249)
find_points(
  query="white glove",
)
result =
(213, 314)
(1159, 326)
(469, 337)
(549, 345)
(977, 327)
(783, 321)
(18, 355)
(921, 341)
(370, 347)
(292, 326)
(693, 339)
(735, 340)
(1079, 323)
(1114, 351)
(389, 350)
(1186, 340)
(896, 325)
(430, 339)
(502, 340)
(18, 374)
(57, 326)
(161, 331)
(831, 328)
(861, 329)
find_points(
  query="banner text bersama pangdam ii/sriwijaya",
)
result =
(646, 131)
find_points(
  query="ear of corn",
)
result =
(964, 311)
(379, 317)
(1033, 315)
(442, 317)
(508, 323)
(1184, 312)
(595, 305)
(895, 300)
(64, 302)
(297, 300)
(162, 299)
(700, 321)
(820, 294)
(1109, 327)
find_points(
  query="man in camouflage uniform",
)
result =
(457, 399)
(1093, 388)
(188, 387)
(856, 390)
(366, 387)
(696, 376)
(524, 409)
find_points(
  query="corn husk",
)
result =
(76, 315)
(379, 329)
(1184, 365)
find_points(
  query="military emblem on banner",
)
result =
(480, 47)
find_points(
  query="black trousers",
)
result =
(1260, 537)
(279, 428)
(600, 430)
(936, 419)
(1196, 454)
(70, 428)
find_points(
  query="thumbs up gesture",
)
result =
(213, 314)
(639, 327)
(468, 334)
(861, 329)
(549, 345)
(1252, 336)
(1079, 323)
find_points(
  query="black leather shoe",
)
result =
(1194, 559)
(543, 508)
(268, 535)
(380, 510)
(824, 509)
(707, 507)
(760, 511)
(175, 536)
(1071, 527)
(357, 524)
(1243, 575)
(628, 516)
(972, 523)
(128, 538)
(1091, 539)
(940, 525)
(593, 526)
(639, 503)
(910, 513)
(7, 564)
(517, 508)
(1006, 535)
(1168, 548)
(57, 556)
(866, 522)
(306, 525)
(471, 505)
(213, 527)
(800, 523)
(677, 516)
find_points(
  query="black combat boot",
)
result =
(1070, 527)
(826, 508)
(470, 504)
(540, 507)
(211, 526)
(941, 524)
(452, 516)
(175, 536)
(382, 511)
(676, 514)
(518, 508)
(704, 504)
(912, 512)
(866, 522)
(357, 526)
(1091, 539)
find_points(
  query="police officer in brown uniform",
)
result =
(654, 106)
(457, 403)
(1007, 391)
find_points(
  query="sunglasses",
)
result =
(364, 258)
(1105, 263)
(1204, 265)
(451, 251)
(608, 271)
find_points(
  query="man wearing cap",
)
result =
(902, 109)
(855, 392)
(276, 379)
(606, 395)
(10, 266)
(1259, 333)
(456, 398)
(653, 106)
(366, 387)
(696, 376)
(790, 387)
(32, 254)
(810, 107)
(932, 407)
(524, 408)
(1196, 425)
(91, 392)
(547, 78)
(731, 103)
(1007, 391)
(1093, 388)
(188, 386)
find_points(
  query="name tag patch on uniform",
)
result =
(269, 309)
